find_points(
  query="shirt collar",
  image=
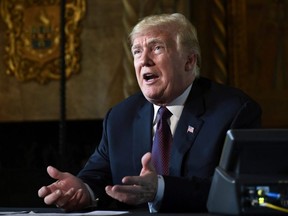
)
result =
(176, 106)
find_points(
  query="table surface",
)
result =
(44, 211)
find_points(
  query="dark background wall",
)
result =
(27, 148)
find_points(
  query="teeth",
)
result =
(148, 76)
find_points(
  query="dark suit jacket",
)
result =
(211, 109)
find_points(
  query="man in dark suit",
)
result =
(121, 172)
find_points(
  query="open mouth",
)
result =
(149, 76)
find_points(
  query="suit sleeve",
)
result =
(96, 172)
(248, 116)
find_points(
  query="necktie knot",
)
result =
(163, 113)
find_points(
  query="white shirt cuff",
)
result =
(94, 201)
(155, 205)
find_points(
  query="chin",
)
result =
(152, 95)
(151, 99)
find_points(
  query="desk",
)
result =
(38, 211)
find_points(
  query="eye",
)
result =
(136, 52)
(158, 49)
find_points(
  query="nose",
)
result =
(146, 60)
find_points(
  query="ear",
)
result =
(191, 61)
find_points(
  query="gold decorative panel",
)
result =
(32, 51)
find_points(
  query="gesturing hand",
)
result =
(137, 189)
(68, 192)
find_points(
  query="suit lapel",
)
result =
(187, 129)
(142, 133)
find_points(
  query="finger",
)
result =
(112, 191)
(129, 189)
(43, 191)
(75, 201)
(53, 197)
(55, 173)
(78, 196)
(128, 194)
(132, 180)
(108, 190)
(65, 198)
(146, 161)
(46, 190)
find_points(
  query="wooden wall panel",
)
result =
(258, 50)
(245, 44)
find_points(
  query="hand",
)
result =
(137, 189)
(68, 192)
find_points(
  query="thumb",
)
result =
(147, 162)
(55, 173)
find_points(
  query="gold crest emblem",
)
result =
(32, 51)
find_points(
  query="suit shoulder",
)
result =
(130, 104)
(220, 90)
(132, 100)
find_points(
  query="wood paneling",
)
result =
(258, 50)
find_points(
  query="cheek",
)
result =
(168, 73)
(137, 69)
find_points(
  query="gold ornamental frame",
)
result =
(32, 50)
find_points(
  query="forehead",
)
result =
(152, 36)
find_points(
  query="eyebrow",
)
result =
(155, 40)
(150, 41)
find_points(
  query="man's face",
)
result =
(160, 66)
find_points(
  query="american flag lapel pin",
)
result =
(190, 129)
